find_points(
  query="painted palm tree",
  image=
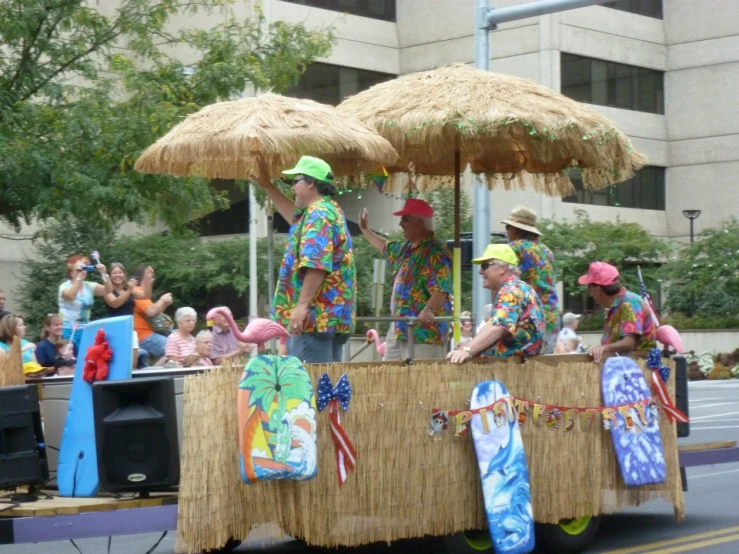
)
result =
(269, 381)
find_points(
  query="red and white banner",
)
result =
(346, 456)
(664, 400)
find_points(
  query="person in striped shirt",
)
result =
(181, 343)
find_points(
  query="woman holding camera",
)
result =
(77, 295)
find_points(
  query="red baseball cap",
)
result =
(599, 273)
(414, 206)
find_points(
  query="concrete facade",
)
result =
(696, 44)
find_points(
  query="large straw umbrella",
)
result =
(511, 131)
(228, 139)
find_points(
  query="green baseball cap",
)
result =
(501, 252)
(312, 167)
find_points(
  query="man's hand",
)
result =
(597, 353)
(364, 220)
(298, 317)
(426, 317)
(458, 356)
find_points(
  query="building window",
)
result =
(645, 190)
(650, 8)
(376, 9)
(612, 84)
(330, 84)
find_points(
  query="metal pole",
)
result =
(486, 20)
(253, 294)
(457, 256)
(534, 9)
(480, 192)
(692, 294)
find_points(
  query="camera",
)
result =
(87, 268)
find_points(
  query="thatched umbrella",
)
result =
(514, 132)
(226, 141)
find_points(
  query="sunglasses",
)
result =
(485, 265)
(296, 180)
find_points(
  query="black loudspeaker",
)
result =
(136, 434)
(22, 450)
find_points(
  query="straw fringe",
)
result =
(224, 140)
(501, 124)
(405, 484)
(11, 366)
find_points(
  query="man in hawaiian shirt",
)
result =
(316, 288)
(629, 324)
(422, 284)
(517, 326)
(537, 267)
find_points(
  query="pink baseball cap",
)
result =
(599, 273)
(414, 206)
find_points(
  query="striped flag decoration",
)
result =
(645, 295)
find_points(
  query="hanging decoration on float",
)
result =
(633, 416)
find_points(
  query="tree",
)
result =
(624, 245)
(83, 93)
(707, 271)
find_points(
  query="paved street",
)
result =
(711, 525)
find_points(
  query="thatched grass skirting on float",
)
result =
(406, 484)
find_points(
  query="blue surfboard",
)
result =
(504, 473)
(78, 469)
(638, 445)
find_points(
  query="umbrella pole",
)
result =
(457, 260)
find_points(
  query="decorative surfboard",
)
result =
(636, 437)
(77, 474)
(277, 420)
(504, 473)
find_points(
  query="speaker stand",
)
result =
(30, 496)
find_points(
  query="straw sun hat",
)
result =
(523, 218)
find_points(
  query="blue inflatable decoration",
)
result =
(504, 473)
(77, 474)
(636, 437)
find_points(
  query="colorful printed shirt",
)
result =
(319, 239)
(630, 315)
(517, 308)
(76, 312)
(420, 271)
(537, 269)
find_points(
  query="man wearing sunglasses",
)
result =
(517, 326)
(422, 285)
(316, 289)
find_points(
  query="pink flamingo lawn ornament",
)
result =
(259, 331)
(373, 336)
(668, 335)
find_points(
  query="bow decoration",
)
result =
(654, 362)
(333, 397)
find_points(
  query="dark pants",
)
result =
(317, 348)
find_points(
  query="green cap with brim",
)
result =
(501, 252)
(312, 167)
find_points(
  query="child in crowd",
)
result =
(53, 351)
(12, 326)
(203, 348)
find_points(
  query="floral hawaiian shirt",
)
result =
(319, 239)
(537, 269)
(420, 271)
(517, 308)
(630, 315)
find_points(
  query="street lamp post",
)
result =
(692, 215)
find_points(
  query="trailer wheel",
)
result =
(231, 545)
(469, 542)
(569, 536)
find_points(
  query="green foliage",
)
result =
(709, 271)
(575, 245)
(77, 109)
